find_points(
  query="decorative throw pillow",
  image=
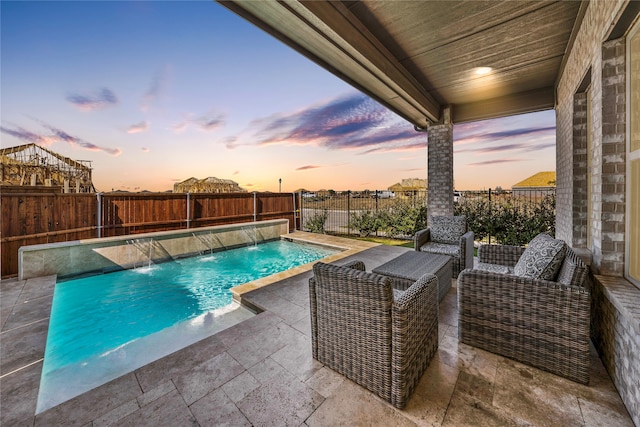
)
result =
(542, 258)
(447, 229)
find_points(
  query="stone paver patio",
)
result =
(260, 372)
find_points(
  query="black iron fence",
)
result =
(509, 217)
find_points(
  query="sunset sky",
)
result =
(157, 92)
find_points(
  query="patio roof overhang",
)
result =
(483, 59)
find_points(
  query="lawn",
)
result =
(382, 240)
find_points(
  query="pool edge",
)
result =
(347, 246)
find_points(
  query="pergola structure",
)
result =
(419, 57)
(436, 63)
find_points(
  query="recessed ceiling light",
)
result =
(481, 71)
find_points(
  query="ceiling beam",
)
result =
(373, 54)
(329, 30)
(519, 103)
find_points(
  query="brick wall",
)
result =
(613, 156)
(616, 336)
(585, 57)
(580, 191)
(616, 302)
(440, 169)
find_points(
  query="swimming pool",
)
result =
(104, 326)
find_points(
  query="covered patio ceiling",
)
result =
(484, 59)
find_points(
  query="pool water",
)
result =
(118, 321)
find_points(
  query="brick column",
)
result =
(440, 167)
(580, 190)
(613, 157)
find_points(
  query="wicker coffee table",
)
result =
(410, 266)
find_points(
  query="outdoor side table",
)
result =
(410, 266)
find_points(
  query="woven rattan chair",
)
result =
(380, 338)
(447, 235)
(541, 323)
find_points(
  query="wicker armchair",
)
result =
(381, 338)
(538, 322)
(447, 235)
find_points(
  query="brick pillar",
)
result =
(580, 190)
(613, 157)
(440, 166)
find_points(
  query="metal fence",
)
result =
(340, 208)
(496, 216)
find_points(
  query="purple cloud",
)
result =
(56, 135)
(495, 161)
(529, 146)
(230, 142)
(206, 122)
(350, 122)
(138, 127)
(63, 136)
(307, 167)
(356, 122)
(522, 133)
(100, 99)
(156, 88)
(27, 136)
(483, 136)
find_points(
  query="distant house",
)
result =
(208, 185)
(539, 184)
(409, 186)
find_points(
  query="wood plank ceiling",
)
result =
(484, 59)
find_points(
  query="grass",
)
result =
(391, 242)
(382, 240)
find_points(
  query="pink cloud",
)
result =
(138, 127)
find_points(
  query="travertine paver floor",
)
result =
(260, 372)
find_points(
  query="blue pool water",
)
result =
(115, 321)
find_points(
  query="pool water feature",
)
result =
(104, 326)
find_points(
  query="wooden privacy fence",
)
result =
(30, 218)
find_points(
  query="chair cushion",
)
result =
(494, 268)
(441, 248)
(447, 229)
(542, 258)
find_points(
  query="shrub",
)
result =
(366, 222)
(476, 210)
(511, 221)
(403, 219)
(316, 222)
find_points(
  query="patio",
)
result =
(579, 58)
(260, 372)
